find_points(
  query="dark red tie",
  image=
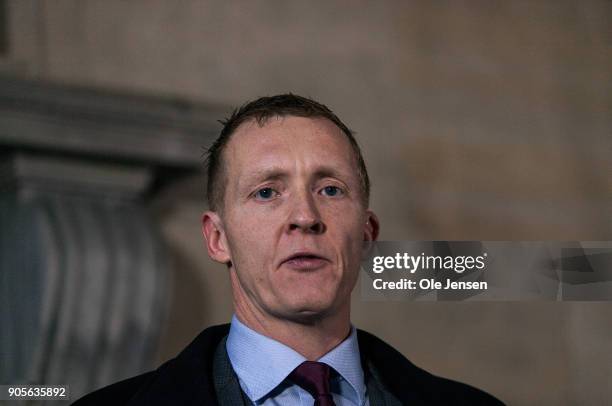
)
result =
(313, 377)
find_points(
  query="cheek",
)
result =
(349, 223)
(252, 243)
(248, 252)
(353, 245)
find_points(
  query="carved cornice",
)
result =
(105, 124)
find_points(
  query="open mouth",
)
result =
(305, 261)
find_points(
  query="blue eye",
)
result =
(265, 194)
(331, 191)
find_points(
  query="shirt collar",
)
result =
(346, 360)
(250, 353)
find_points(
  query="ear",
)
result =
(216, 240)
(372, 227)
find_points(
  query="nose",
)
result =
(305, 216)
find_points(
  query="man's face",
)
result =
(293, 220)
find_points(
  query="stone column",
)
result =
(84, 274)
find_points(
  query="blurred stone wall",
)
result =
(479, 120)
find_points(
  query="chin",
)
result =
(310, 311)
(308, 317)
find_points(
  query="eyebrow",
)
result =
(261, 175)
(328, 172)
(277, 173)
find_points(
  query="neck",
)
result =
(311, 337)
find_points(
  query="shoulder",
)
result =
(186, 379)
(118, 393)
(411, 384)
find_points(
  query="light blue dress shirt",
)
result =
(262, 364)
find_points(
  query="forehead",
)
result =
(289, 141)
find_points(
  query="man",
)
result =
(288, 194)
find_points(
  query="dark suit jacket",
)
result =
(202, 375)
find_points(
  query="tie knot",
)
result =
(313, 377)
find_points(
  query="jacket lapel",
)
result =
(226, 383)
